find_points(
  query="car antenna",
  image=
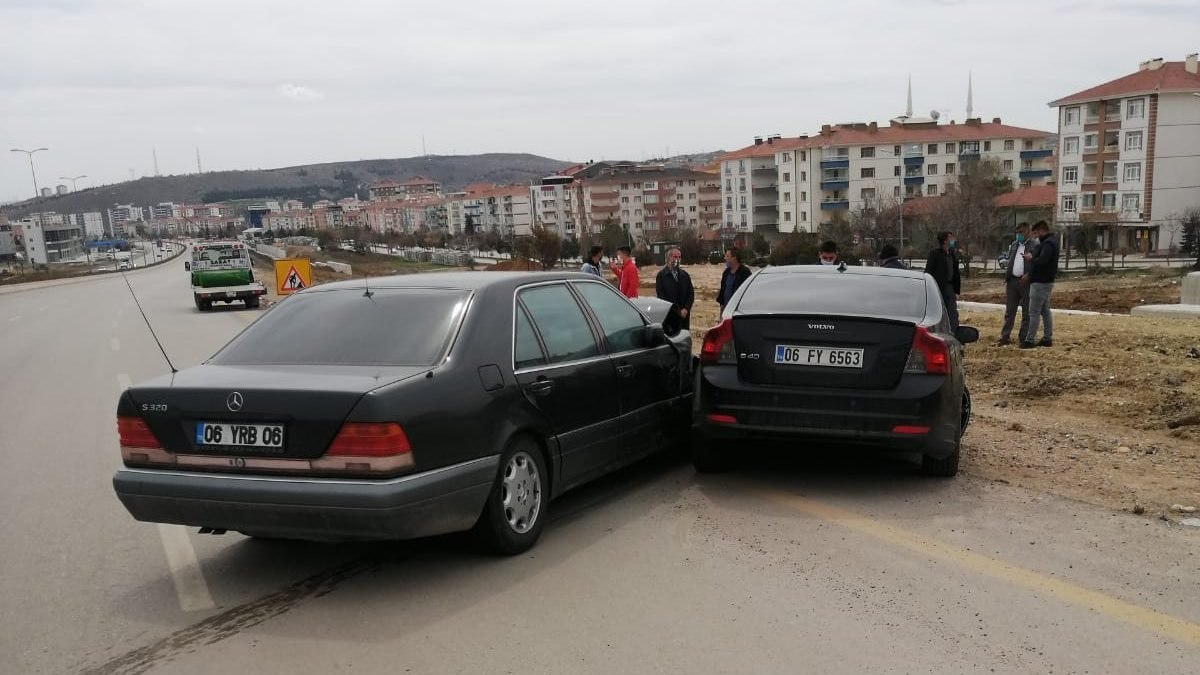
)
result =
(147, 320)
(366, 288)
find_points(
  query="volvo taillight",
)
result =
(930, 354)
(718, 344)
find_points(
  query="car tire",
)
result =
(252, 303)
(946, 467)
(515, 512)
(706, 458)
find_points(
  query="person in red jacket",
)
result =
(627, 272)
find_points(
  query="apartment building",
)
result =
(496, 208)
(289, 221)
(51, 237)
(553, 199)
(1130, 155)
(121, 215)
(417, 186)
(647, 200)
(783, 185)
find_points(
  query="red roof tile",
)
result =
(419, 180)
(1037, 195)
(1171, 77)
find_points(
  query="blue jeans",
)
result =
(1039, 310)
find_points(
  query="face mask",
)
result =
(675, 263)
(828, 262)
(1020, 238)
(953, 243)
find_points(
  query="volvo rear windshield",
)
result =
(390, 327)
(833, 293)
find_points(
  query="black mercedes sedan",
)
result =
(418, 405)
(809, 354)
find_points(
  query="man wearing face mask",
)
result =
(942, 265)
(828, 253)
(675, 286)
(1016, 285)
(1043, 268)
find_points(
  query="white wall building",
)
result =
(784, 185)
(1130, 155)
(553, 204)
(646, 200)
(51, 237)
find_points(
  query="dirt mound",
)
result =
(517, 265)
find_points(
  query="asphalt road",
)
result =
(796, 564)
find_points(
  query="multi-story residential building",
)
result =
(288, 221)
(1130, 155)
(162, 211)
(414, 187)
(645, 201)
(121, 215)
(92, 223)
(782, 185)
(553, 199)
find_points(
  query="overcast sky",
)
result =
(269, 83)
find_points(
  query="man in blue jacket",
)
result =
(1043, 268)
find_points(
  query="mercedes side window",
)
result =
(527, 351)
(623, 325)
(560, 322)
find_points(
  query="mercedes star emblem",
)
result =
(234, 402)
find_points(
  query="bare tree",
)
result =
(876, 223)
(968, 209)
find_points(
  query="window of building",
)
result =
(931, 189)
(1133, 140)
(787, 156)
(1135, 109)
(1087, 201)
(803, 176)
(729, 185)
(1028, 145)
(1010, 145)
(1112, 113)
(743, 220)
(1089, 142)
(728, 169)
(787, 216)
(637, 212)
(866, 152)
(803, 216)
(868, 194)
(1071, 145)
(932, 149)
(1131, 201)
(678, 183)
(987, 146)
(741, 185)
(625, 214)
(692, 182)
(691, 209)
(896, 191)
(679, 197)
(1070, 174)
(867, 172)
(637, 199)
(692, 221)
(1008, 165)
(803, 196)
(950, 169)
(1070, 118)
(729, 202)
(1109, 201)
(803, 155)
(787, 197)
(1110, 172)
(931, 169)
(949, 148)
(1092, 114)
(895, 151)
(742, 203)
(1068, 203)
(741, 166)
(1133, 171)
(896, 170)
(787, 177)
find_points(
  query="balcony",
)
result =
(762, 169)
(837, 162)
(914, 180)
(967, 152)
(1035, 173)
(769, 187)
(708, 189)
(1036, 154)
(710, 202)
(763, 206)
(835, 184)
(914, 161)
(835, 204)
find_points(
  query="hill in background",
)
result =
(309, 182)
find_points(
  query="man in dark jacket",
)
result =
(1016, 287)
(675, 286)
(889, 257)
(734, 275)
(942, 265)
(1043, 268)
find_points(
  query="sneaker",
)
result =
(1003, 342)
(1027, 345)
(1044, 342)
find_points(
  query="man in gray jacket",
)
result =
(1016, 286)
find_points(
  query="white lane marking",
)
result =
(14, 318)
(123, 382)
(190, 586)
(115, 344)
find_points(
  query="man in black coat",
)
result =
(1043, 269)
(675, 286)
(733, 277)
(889, 257)
(942, 265)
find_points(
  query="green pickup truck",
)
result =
(221, 272)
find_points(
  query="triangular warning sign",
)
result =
(293, 282)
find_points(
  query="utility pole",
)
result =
(199, 168)
(73, 179)
(29, 153)
(154, 153)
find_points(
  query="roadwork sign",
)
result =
(291, 275)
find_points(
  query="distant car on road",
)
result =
(430, 403)
(124, 265)
(810, 354)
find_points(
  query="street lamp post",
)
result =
(73, 179)
(29, 153)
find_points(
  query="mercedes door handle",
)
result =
(540, 388)
(625, 370)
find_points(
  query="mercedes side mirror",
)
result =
(655, 335)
